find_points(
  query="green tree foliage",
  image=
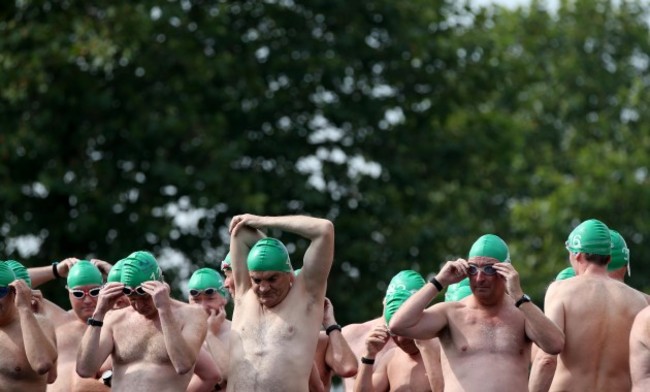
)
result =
(415, 126)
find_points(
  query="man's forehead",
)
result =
(85, 287)
(482, 260)
(266, 274)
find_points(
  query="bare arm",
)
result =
(544, 364)
(242, 239)
(373, 377)
(430, 352)
(539, 328)
(183, 339)
(97, 342)
(338, 355)
(206, 373)
(318, 257)
(39, 338)
(40, 275)
(640, 351)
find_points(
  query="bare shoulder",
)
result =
(644, 316)
(351, 331)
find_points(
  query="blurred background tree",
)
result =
(415, 126)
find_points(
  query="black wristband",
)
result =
(331, 328)
(94, 323)
(368, 361)
(435, 282)
(55, 271)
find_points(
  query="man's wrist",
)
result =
(55, 270)
(95, 323)
(438, 285)
(332, 328)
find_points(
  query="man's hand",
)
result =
(328, 314)
(63, 267)
(159, 292)
(37, 301)
(108, 296)
(103, 266)
(250, 220)
(508, 272)
(23, 298)
(376, 340)
(453, 272)
(216, 319)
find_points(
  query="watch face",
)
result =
(107, 374)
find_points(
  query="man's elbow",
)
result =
(396, 326)
(44, 367)
(546, 362)
(182, 369)
(348, 370)
(84, 371)
(555, 346)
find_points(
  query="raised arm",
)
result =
(373, 377)
(338, 356)
(242, 238)
(318, 257)
(97, 341)
(413, 319)
(38, 334)
(183, 326)
(40, 275)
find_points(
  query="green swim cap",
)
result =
(226, 263)
(490, 245)
(297, 272)
(139, 267)
(566, 274)
(115, 273)
(6, 275)
(84, 273)
(269, 254)
(620, 252)
(400, 288)
(205, 278)
(458, 291)
(591, 236)
(20, 271)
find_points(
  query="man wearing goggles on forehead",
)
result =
(156, 335)
(485, 337)
(27, 341)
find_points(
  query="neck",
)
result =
(593, 269)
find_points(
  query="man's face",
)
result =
(229, 283)
(485, 282)
(143, 304)
(271, 287)
(214, 301)
(83, 300)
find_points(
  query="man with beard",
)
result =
(154, 343)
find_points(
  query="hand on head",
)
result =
(108, 296)
(377, 339)
(103, 266)
(23, 296)
(507, 271)
(64, 266)
(159, 292)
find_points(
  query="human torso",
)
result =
(16, 374)
(68, 338)
(355, 335)
(140, 358)
(598, 316)
(485, 349)
(640, 352)
(273, 349)
(406, 373)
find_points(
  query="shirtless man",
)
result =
(596, 312)
(277, 315)
(412, 365)
(154, 343)
(355, 335)
(206, 289)
(640, 351)
(27, 341)
(485, 338)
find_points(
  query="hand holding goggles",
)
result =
(79, 293)
(129, 291)
(488, 270)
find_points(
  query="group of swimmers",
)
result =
(124, 331)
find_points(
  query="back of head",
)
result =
(592, 237)
(401, 287)
(206, 278)
(492, 246)
(6, 274)
(20, 271)
(139, 267)
(566, 274)
(269, 254)
(115, 274)
(458, 291)
(620, 252)
(84, 273)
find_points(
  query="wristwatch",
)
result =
(524, 298)
(94, 323)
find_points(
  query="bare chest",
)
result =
(405, 374)
(477, 333)
(13, 360)
(135, 342)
